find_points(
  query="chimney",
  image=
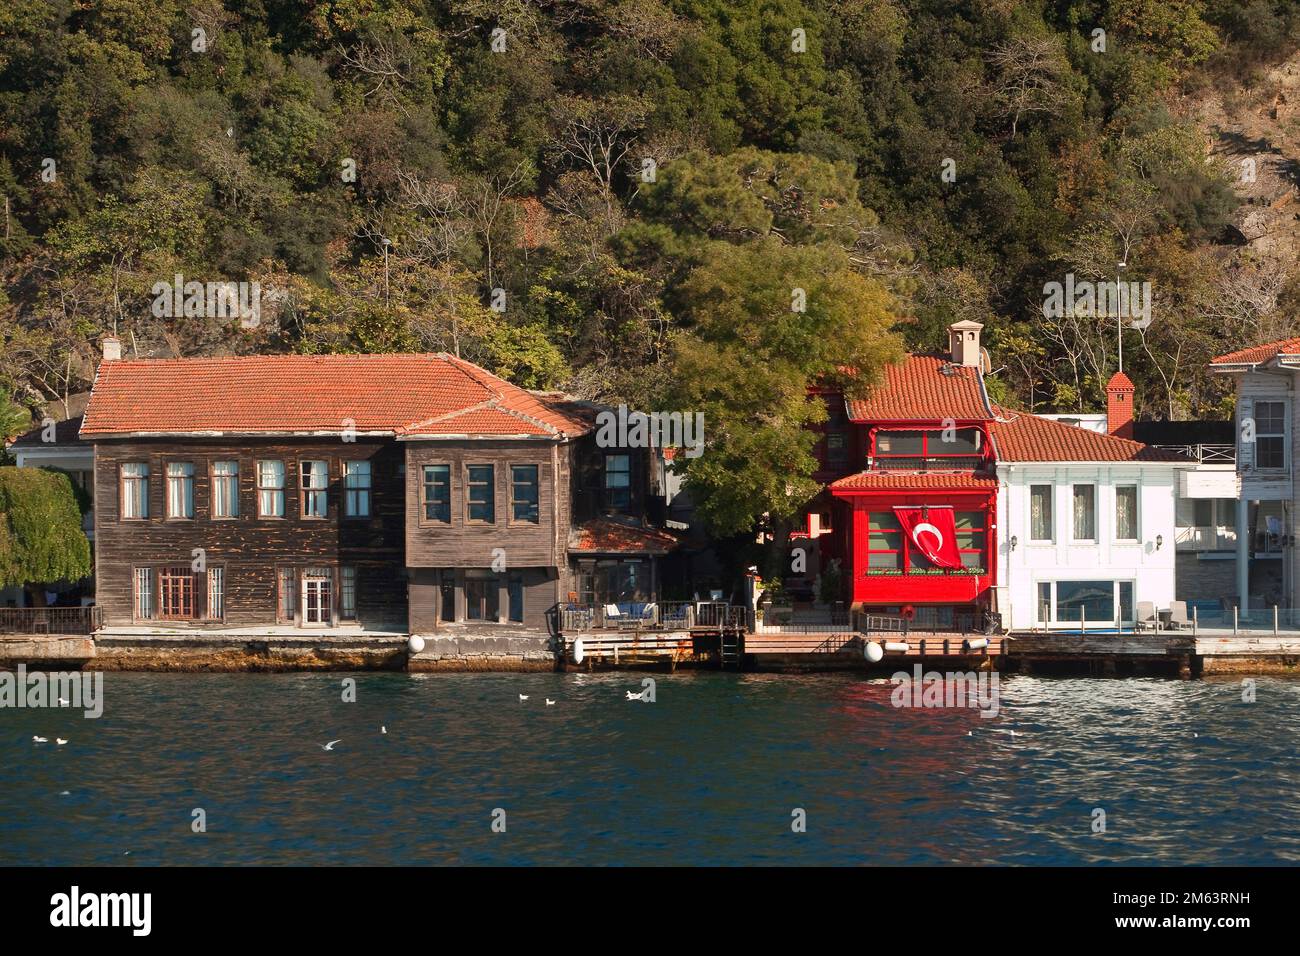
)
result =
(112, 348)
(964, 343)
(1119, 406)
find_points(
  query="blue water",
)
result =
(708, 774)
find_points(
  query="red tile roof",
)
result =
(415, 395)
(1258, 354)
(906, 481)
(607, 536)
(1024, 437)
(917, 389)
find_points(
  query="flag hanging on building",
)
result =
(934, 532)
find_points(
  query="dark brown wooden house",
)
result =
(415, 493)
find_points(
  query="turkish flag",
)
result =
(934, 532)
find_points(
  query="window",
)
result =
(941, 450)
(888, 547)
(481, 595)
(270, 489)
(884, 540)
(1126, 512)
(143, 593)
(1270, 435)
(356, 489)
(516, 589)
(348, 593)
(180, 489)
(135, 490)
(618, 481)
(1085, 513)
(287, 596)
(523, 493)
(1203, 512)
(315, 484)
(481, 493)
(1040, 513)
(1090, 603)
(176, 592)
(447, 595)
(216, 593)
(437, 493)
(225, 489)
(837, 449)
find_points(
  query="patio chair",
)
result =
(1178, 615)
(613, 615)
(1147, 619)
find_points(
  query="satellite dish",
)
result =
(986, 362)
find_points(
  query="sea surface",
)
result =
(719, 769)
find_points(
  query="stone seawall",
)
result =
(531, 651)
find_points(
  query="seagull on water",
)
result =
(330, 745)
(549, 702)
(60, 741)
(41, 740)
(632, 696)
(523, 697)
(383, 729)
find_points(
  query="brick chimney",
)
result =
(1119, 406)
(964, 343)
(112, 346)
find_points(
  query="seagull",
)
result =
(383, 729)
(632, 696)
(60, 741)
(63, 702)
(65, 793)
(549, 702)
(330, 745)
(41, 740)
(523, 697)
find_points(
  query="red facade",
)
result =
(895, 450)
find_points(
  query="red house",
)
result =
(910, 510)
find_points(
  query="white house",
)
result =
(1266, 451)
(1087, 519)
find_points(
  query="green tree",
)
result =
(40, 528)
(748, 358)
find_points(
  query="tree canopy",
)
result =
(41, 539)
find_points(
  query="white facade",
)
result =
(1054, 581)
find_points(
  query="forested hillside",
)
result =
(618, 197)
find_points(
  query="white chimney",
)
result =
(112, 348)
(964, 343)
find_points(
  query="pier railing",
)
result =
(50, 620)
(651, 615)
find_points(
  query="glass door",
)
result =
(317, 599)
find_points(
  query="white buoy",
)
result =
(896, 647)
(578, 652)
(977, 643)
(415, 643)
(872, 652)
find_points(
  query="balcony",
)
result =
(1206, 454)
(1206, 538)
(50, 620)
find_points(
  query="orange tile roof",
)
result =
(1024, 437)
(607, 536)
(917, 390)
(907, 480)
(1258, 354)
(413, 395)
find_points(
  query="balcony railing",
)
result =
(1206, 454)
(50, 620)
